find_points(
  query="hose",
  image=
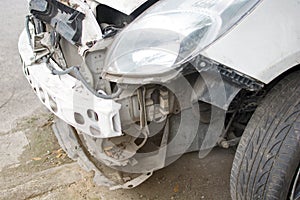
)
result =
(74, 69)
(80, 77)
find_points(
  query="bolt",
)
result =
(90, 44)
(224, 144)
(203, 64)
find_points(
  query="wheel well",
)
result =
(246, 102)
(284, 74)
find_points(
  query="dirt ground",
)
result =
(43, 171)
(32, 165)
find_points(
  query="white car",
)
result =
(137, 83)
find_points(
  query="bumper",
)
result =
(68, 99)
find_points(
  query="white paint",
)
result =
(11, 148)
(265, 44)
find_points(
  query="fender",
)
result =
(265, 44)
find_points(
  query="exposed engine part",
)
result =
(238, 115)
(247, 101)
(79, 76)
(156, 101)
(229, 143)
(52, 12)
(142, 106)
(50, 40)
(46, 44)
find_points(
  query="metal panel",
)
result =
(69, 100)
(265, 44)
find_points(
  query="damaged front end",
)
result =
(128, 84)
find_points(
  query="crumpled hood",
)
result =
(125, 6)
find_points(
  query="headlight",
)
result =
(171, 33)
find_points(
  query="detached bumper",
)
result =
(68, 99)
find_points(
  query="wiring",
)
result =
(74, 69)
(79, 76)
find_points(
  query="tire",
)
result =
(267, 158)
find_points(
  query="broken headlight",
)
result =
(171, 33)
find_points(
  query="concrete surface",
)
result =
(11, 148)
(32, 165)
(16, 98)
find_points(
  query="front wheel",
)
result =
(266, 164)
